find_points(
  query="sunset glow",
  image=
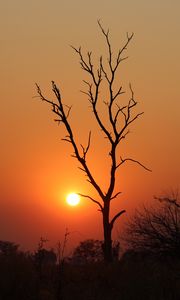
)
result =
(73, 199)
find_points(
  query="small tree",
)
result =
(88, 251)
(156, 230)
(120, 117)
(8, 248)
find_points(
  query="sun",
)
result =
(73, 199)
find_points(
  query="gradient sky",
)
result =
(36, 170)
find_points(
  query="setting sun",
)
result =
(73, 199)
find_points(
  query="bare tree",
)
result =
(156, 229)
(120, 117)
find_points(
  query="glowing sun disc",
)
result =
(73, 199)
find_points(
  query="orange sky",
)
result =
(36, 169)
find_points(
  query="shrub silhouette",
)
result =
(156, 229)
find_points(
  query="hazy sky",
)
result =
(36, 168)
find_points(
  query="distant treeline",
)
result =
(39, 276)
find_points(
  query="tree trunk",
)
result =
(107, 245)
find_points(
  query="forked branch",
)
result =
(85, 150)
(123, 160)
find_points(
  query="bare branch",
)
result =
(69, 110)
(124, 135)
(83, 63)
(67, 140)
(115, 196)
(89, 142)
(168, 200)
(119, 58)
(120, 110)
(85, 150)
(118, 93)
(126, 111)
(133, 160)
(92, 199)
(116, 217)
(41, 96)
(133, 119)
(103, 70)
(88, 66)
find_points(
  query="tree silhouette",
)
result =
(88, 251)
(120, 117)
(156, 230)
(8, 248)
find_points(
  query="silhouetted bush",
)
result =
(156, 229)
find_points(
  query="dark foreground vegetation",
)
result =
(149, 268)
(135, 276)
